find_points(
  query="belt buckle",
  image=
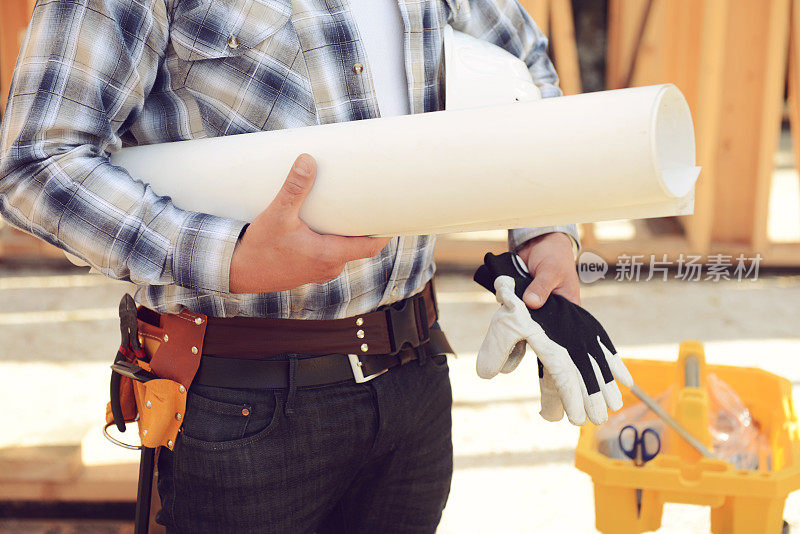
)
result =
(402, 324)
(358, 373)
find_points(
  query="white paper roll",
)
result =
(627, 153)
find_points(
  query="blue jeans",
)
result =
(371, 457)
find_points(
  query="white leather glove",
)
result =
(504, 346)
(563, 385)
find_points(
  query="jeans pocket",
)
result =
(439, 362)
(219, 418)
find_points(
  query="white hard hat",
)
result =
(478, 73)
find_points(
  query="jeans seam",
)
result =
(173, 493)
(378, 420)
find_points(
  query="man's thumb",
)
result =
(532, 299)
(537, 292)
(297, 185)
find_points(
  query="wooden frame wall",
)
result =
(730, 60)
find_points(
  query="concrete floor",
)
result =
(514, 471)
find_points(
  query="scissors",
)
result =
(641, 448)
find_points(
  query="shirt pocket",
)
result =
(458, 13)
(206, 29)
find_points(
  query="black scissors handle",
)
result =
(640, 449)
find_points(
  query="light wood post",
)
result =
(752, 85)
(565, 48)
(706, 113)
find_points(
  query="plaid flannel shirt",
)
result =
(96, 75)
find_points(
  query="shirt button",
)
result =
(357, 68)
(233, 42)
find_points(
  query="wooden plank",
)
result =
(80, 490)
(587, 235)
(707, 116)
(754, 69)
(565, 48)
(18, 245)
(626, 25)
(624, 22)
(683, 38)
(56, 473)
(638, 44)
(650, 59)
(685, 18)
(14, 17)
(45, 463)
(772, 256)
(467, 255)
(794, 79)
(540, 12)
(772, 113)
(781, 255)
(674, 40)
(674, 34)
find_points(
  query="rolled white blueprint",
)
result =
(628, 153)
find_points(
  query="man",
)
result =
(95, 75)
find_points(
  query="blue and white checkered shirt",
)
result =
(96, 75)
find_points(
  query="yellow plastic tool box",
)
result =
(742, 502)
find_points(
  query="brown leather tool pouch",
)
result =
(173, 343)
(156, 378)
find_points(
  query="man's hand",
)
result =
(551, 263)
(578, 364)
(278, 251)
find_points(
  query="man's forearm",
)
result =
(118, 226)
(63, 115)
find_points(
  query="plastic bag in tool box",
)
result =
(736, 437)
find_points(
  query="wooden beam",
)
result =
(638, 39)
(683, 40)
(626, 21)
(651, 55)
(707, 114)
(771, 117)
(565, 48)
(794, 79)
(588, 236)
(540, 11)
(755, 63)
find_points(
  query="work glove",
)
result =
(577, 362)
